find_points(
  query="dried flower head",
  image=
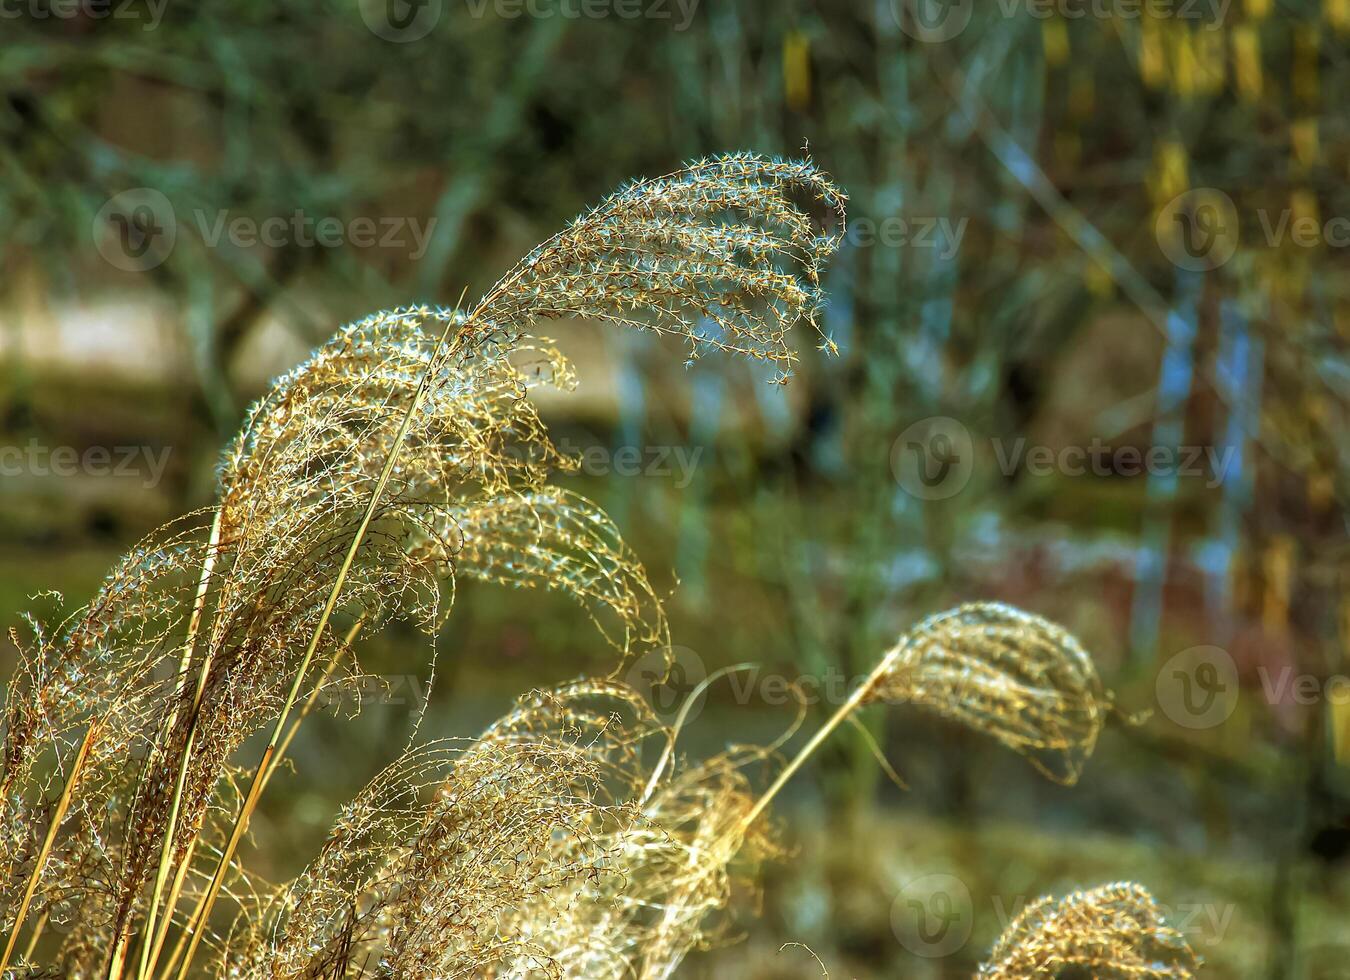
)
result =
(718, 253)
(1114, 932)
(426, 870)
(1011, 674)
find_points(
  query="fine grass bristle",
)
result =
(532, 850)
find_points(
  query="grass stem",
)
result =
(838, 718)
(58, 816)
(171, 828)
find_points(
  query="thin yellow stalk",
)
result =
(176, 890)
(181, 944)
(845, 710)
(313, 699)
(171, 828)
(58, 816)
(171, 903)
(118, 960)
(260, 772)
(38, 928)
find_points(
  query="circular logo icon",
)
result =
(932, 21)
(1198, 230)
(1198, 687)
(667, 678)
(135, 230)
(933, 915)
(400, 21)
(933, 458)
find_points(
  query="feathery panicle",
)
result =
(996, 669)
(325, 430)
(1010, 674)
(718, 253)
(427, 870)
(554, 539)
(673, 861)
(530, 851)
(1114, 932)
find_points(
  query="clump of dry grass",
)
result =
(403, 452)
(644, 856)
(427, 869)
(539, 849)
(1114, 932)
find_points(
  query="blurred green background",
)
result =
(1093, 315)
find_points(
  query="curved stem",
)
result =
(845, 710)
(680, 719)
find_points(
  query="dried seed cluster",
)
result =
(1115, 932)
(1011, 674)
